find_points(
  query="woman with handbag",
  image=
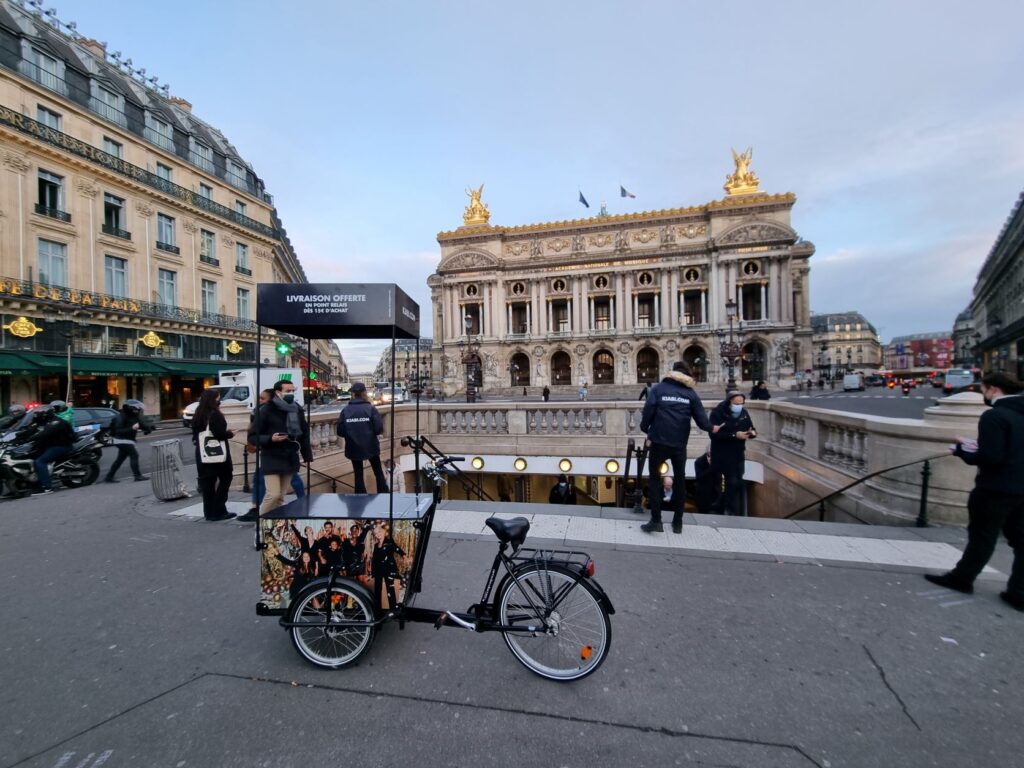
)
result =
(210, 433)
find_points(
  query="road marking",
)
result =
(954, 602)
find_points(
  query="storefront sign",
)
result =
(151, 340)
(67, 296)
(332, 310)
(234, 347)
(23, 328)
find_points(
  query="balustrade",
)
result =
(844, 447)
(791, 432)
(566, 421)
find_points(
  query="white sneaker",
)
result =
(43, 492)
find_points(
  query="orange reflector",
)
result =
(590, 568)
(586, 651)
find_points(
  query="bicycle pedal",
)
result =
(441, 620)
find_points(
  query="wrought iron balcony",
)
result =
(243, 270)
(759, 323)
(53, 213)
(559, 334)
(649, 330)
(694, 328)
(115, 232)
(601, 333)
(211, 260)
(168, 247)
(517, 337)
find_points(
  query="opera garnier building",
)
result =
(612, 301)
(132, 234)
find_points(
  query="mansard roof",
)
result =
(823, 323)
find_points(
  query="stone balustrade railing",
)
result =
(805, 452)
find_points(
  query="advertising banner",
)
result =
(338, 310)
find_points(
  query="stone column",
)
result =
(568, 314)
(657, 310)
(774, 291)
(764, 300)
(704, 306)
(673, 290)
(611, 312)
(620, 296)
(542, 305)
(666, 305)
(586, 306)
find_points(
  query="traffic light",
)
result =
(283, 348)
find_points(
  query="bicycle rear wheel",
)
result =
(332, 647)
(573, 632)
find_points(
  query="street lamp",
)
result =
(513, 370)
(68, 322)
(471, 361)
(730, 350)
(821, 359)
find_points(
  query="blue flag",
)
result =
(584, 200)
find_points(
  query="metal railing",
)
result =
(116, 232)
(922, 514)
(53, 213)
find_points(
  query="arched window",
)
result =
(519, 370)
(604, 367)
(755, 361)
(561, 368)
(647, 366)
(697, 359)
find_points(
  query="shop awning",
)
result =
(212, 368)
(16, 365)
(117, 366)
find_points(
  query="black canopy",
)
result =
(338, 310)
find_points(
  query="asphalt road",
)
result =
(874, 401)
(130, 638)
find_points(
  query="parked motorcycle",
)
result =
(78, 468)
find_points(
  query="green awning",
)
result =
(15, 365)
(180, 368)
(116, 366)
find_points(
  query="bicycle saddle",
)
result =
(512, 531)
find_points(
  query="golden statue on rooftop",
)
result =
(476, 213)
(744, 181)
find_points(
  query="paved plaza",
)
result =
(131, 639)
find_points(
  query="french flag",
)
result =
(623, 192)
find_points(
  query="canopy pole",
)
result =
(419, 386)
(391, 480)
(257, 475)
(309, 417)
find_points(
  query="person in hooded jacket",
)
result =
(53, 441)
(563, 492)
(670, 406)
(282, 435)
(14, 415)
(731, 428)
(997, 499)
(360, 425)
(123, 430)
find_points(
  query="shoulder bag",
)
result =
(212, 450)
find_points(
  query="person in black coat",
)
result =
(123, 430)
(53, 440)
(644, 392)
(563, 492)
(360, 425)
(282, 435)
(670, 406)
(997, 499)
(731, 427)
(383, 566)
(760, 392)
(214, 479)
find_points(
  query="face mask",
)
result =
(987, 400)
(562, 485)
(289, 398)
(736, 409)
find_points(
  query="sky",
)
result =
(898, 125)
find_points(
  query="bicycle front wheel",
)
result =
(329, 646)
(572, 632)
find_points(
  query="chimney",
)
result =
(95, 47)
(181, 103)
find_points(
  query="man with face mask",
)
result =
(997, 500)
(731, 428)
(281, 434)
(563, 492)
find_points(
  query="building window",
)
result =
(209, 293)
(240, 207)
(202, 156)
(51, 193)
(242, 302)
(208, 247)
(164, 230)
(113, 148)
(159, 132)
(167, 284)
(236, 174)
(115, 272)
(53, 263)
(107, 104)
(206, 191)
(164, 172)
(45, 70)
(48, 117)
(241, 256)
(113, 216)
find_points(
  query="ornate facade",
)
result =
(844, 341)
(131, 231)
(615, 300)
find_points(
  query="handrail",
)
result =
(334, 480)
(821, 501)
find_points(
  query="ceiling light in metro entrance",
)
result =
(519, 464)
(477, 463)
(565, 465)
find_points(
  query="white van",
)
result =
(238, 386)
(957, 378)
(853, 382)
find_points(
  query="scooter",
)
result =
(906, 388)
(78, 468)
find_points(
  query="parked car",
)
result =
(188, 413)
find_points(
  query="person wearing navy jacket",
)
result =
(670, 406)
(731, 428)
(360, 425)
